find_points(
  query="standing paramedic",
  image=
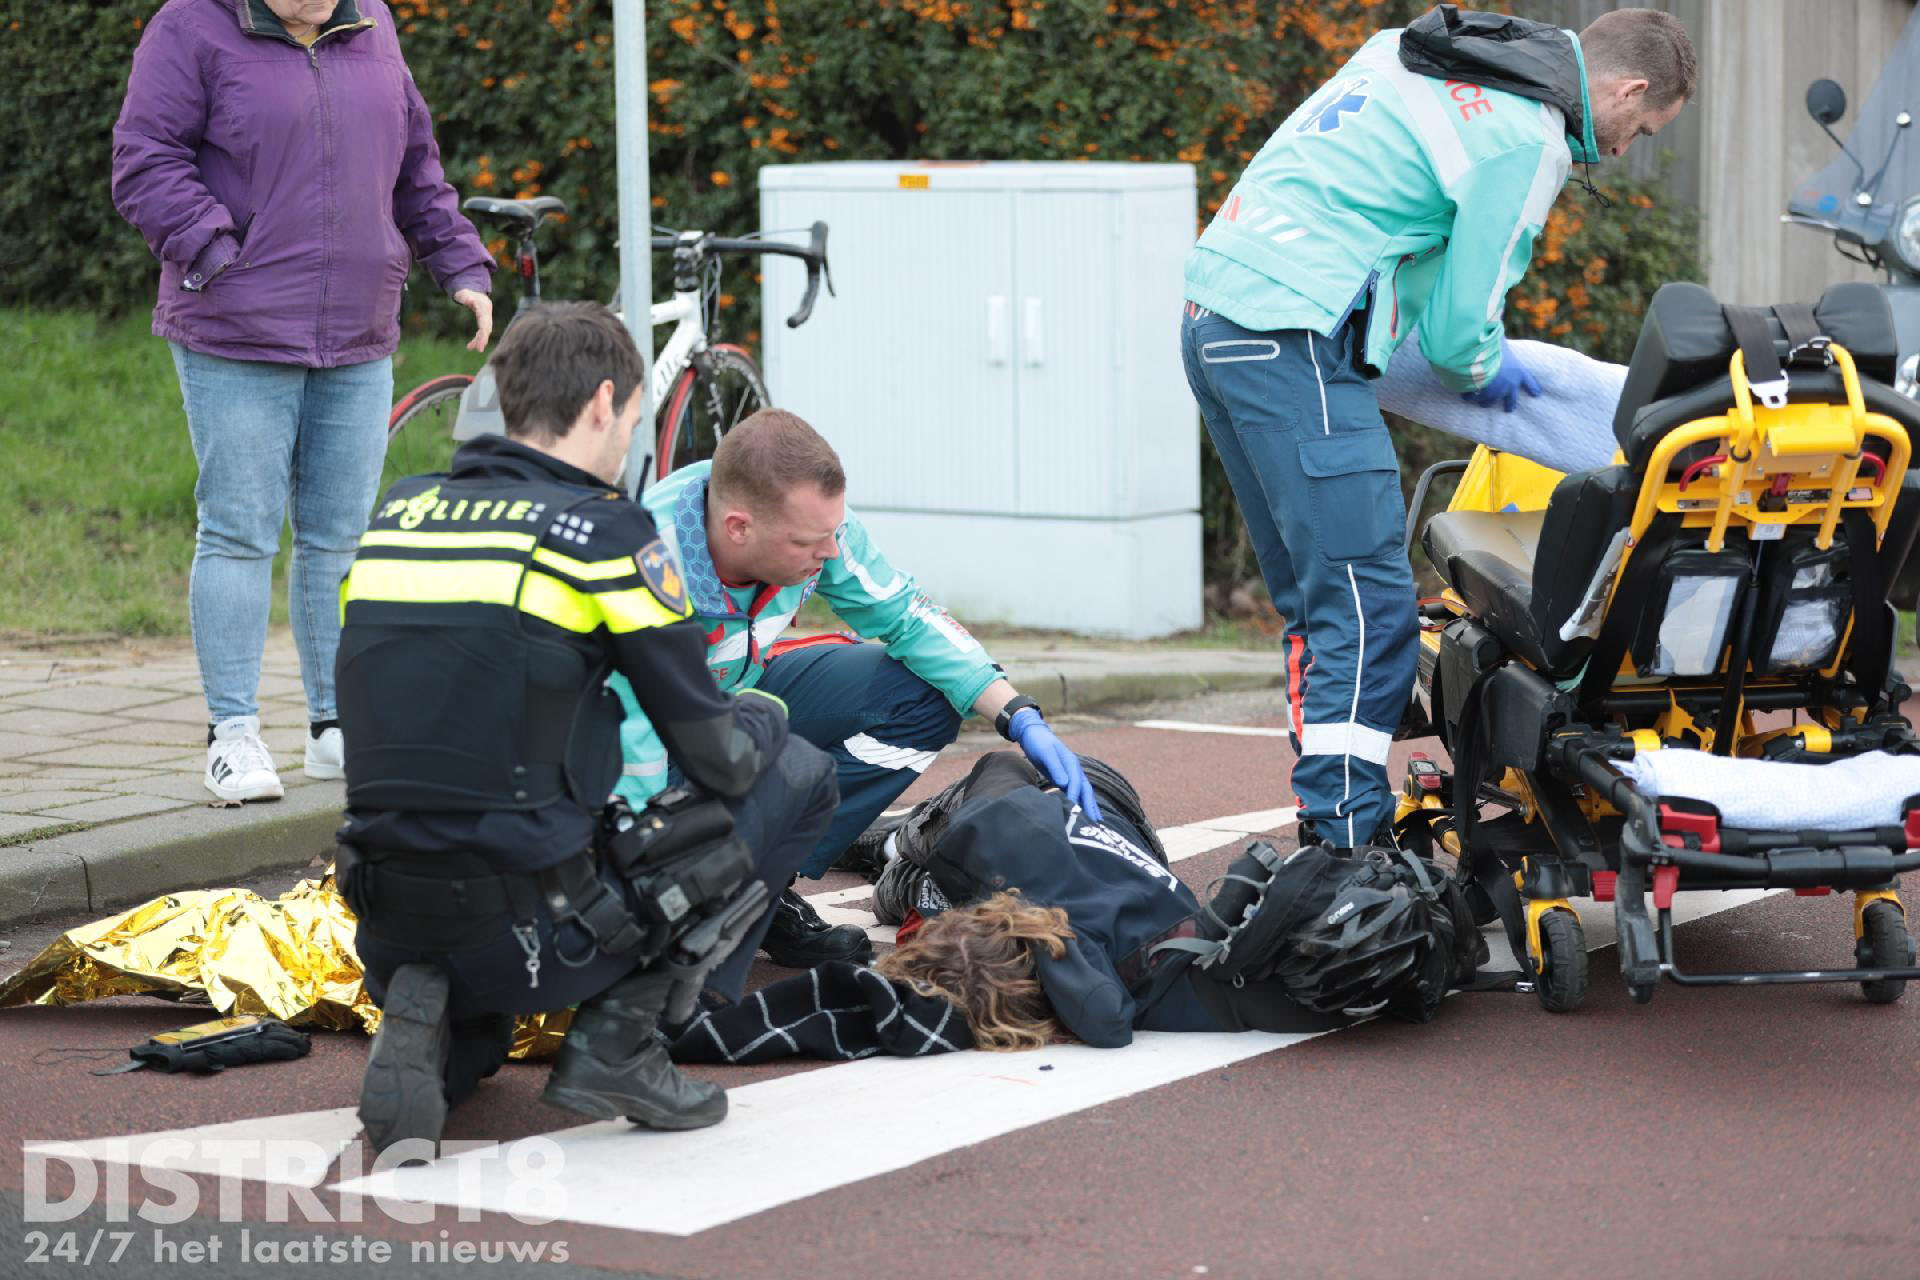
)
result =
(1405, 194)
(759, 530)
(483, 614)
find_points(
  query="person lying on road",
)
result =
(1024, 922)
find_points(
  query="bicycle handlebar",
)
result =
(813, 253)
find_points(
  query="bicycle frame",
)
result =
(688, 339)
(479, 407)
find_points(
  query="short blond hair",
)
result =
(769, 455)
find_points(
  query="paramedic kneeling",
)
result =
(762, 529)
(1406, 193)
(482, 616)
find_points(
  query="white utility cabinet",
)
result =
(1000, 373)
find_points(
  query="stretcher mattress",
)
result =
(1869, 790)
(1568, 426)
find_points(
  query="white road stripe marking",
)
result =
(257, 1150)
(834, 897)
(805, 1134)
(1596, 920)
(1188, 726)
(809, 1133)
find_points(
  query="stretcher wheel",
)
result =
(1884, 944)
(1562, 981)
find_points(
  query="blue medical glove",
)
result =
(1507, 384)
(1051, 757)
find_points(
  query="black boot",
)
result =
(403, 1094)
(480, 1047)
(798, 938)
(613, 1064)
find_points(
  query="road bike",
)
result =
(701, 387)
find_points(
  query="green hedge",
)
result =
(522, 91)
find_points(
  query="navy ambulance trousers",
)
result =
(1299, 432)
(881, 724)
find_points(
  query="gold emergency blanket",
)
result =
(291, 958)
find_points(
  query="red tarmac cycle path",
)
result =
(1736, 1132)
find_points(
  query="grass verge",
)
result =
(96, 505)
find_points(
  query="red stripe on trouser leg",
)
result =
(1296, 679)
(1295, 645)
(1296, 685)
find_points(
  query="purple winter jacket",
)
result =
(284, 189)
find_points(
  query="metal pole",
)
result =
(636, 213)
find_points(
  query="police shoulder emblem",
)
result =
(663, 575)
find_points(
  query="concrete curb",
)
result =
(126, 862)
(1067, 683)
(121, 863)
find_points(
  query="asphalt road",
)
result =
(1717, 1132)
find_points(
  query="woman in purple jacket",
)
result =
(280, 162)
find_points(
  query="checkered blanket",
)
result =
(837, 1010)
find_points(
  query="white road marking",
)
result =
(834, 897)
(1596, 919)
(810, 1133)
(261, 1149)
(799, 1135)
(1196, 838)
(1189, 726)
(805, 1134)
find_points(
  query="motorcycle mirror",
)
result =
(1826, 102)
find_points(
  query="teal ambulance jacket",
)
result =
(742, 623)
(1416, 197)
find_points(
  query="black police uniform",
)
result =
(481, 617)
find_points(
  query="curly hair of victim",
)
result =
(981, 959)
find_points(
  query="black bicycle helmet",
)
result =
(1356, 953)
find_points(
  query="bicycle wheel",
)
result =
(705, 405)
(420, 430)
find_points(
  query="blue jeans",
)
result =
(881, 724)
(277, 441)
(1299, 433)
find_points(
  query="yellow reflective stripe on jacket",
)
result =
(552, 600)
(452, 541)
(634, 608)
(584, 570)
(434, 581)
(498, 582)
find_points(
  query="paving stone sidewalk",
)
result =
(102, 749)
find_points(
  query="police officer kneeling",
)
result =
(484, 611)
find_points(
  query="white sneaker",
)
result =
(326, 754)
(238, 766)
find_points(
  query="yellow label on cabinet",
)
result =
(913, 181)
